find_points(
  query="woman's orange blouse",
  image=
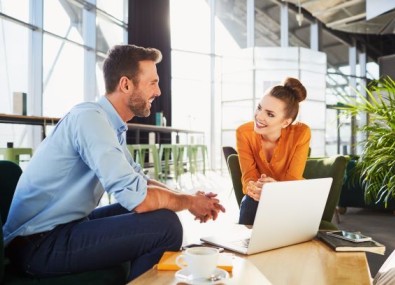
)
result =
(289, 156)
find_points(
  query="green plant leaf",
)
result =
(376, 165)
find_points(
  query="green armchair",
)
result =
(9, 176)
(333, 166)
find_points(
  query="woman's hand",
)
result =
(264, 179)
(254, 189)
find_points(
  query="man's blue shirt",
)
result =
(84, 156)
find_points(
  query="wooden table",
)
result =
(243, 270)
(29, 120)
(306, 263)
(312, 263)
(136, 128)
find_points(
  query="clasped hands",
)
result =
(254, 188)
(206, 206)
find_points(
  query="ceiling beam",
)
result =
(345, 21)
(336, 8)
(293, 39)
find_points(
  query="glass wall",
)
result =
(200, 42)
(72, 37)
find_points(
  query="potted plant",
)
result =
(376, 164)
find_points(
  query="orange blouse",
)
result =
(289, 156)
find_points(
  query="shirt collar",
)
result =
(113, 115)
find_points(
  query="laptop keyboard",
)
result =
(242, 242)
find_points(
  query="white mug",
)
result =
(200, 261)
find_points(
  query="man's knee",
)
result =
(172, 220)
(172, 225)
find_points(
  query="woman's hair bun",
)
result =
(297, 88)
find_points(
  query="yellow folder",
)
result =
(168, 261)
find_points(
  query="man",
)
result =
(53, 227)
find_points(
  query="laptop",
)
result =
(288, 213)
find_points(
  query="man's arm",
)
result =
(153, 182)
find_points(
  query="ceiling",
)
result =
(351, 15)
(342, 23)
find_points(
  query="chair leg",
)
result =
(337, 215)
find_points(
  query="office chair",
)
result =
(235, 175)
(228, 150)
(9, 274)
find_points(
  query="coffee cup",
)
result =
(201, 262)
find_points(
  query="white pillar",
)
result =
(213, 128)
(284, 24)
(89, 25)
(35, 78)
(314, 36)
(363, 117)
(250, 23)
(352, 56)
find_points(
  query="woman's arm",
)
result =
(299, 158)
(248, 165)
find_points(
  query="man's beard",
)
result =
(138, 105)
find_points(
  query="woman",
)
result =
(272, 148)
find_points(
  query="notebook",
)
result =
(289, 212)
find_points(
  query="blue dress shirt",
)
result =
(84, 156)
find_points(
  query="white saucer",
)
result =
(185, 276)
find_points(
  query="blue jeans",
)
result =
(248, 209)
(109, 236)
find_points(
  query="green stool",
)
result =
(139, 152)
(135, 151)
(172, 154)
(194, 158)
(13, 154)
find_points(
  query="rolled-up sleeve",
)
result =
(97, 144)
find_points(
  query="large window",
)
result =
(197, 64)
(63, 64)
(191, 66)
(72, 37)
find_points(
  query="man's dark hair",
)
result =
(123, 60)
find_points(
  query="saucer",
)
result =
(219, 276)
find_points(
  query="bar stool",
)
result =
(172, 154)
(13, 154)
(194, 158)
(139, 152)
(134, 150)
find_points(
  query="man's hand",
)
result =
(205, 206)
